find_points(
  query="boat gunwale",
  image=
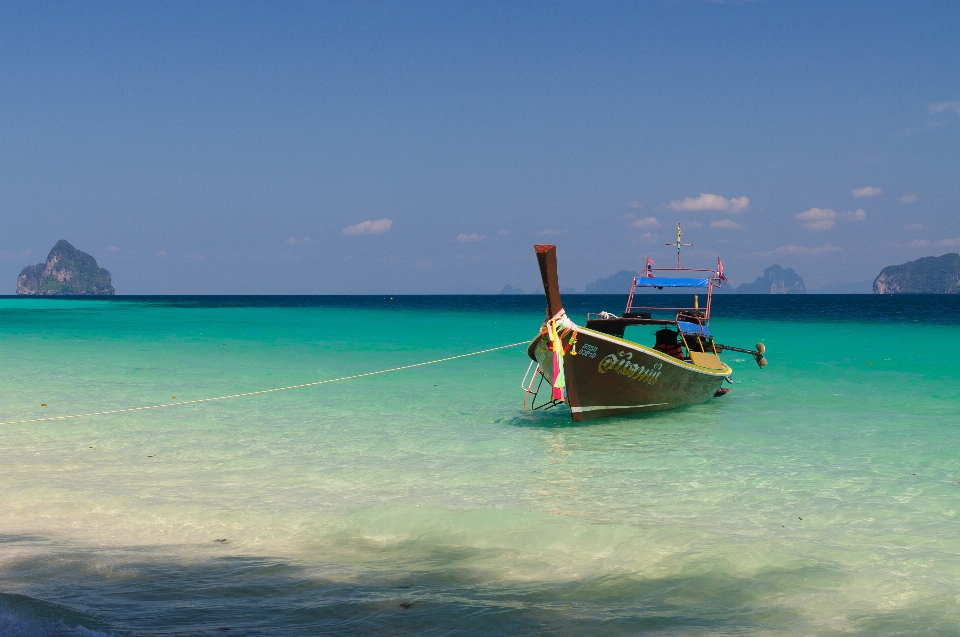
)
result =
(726, 371)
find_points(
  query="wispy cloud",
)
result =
(725, 224)
(818, 219)
(646, 222)
(553, 233)
(919, 243)
(950, 242)
(636, 205)
(195, 256)
(944, 107)
(913, 226)
(908, 199)
(503, 233)
(23, 254)
(791, 249)
(292, 241)
(112, 249)
(707, 201)
(866, 191)
(370, 226)
(162, 253)
(468, 238)
(855, 215)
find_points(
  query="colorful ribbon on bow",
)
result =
(556, 346)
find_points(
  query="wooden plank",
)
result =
(706, 359)
(547, 259)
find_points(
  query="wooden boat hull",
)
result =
(610, 376)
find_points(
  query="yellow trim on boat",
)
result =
(726, 371)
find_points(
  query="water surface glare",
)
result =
(820, 497)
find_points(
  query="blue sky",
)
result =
(425, 147)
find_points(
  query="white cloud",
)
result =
(503, 233)
(950, 242)
(377, 226)
(648, 236)
(292, 241)
(707, 201)
(818, 219)
(636, 205)
(919, 243)
(7, 254)
(473, 236)
(647, 222)
(866, 191)
(553, 233)
(725, 224)
(162, 253)
(907, 199)
(112, 249)
(944, 107)
(855, 215)
(791, 249)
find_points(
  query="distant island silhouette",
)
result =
(774, 280)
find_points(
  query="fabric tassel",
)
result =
(559, 380)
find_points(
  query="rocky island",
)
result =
(66, 271)
(928, 275)
(618, 283)
(775, 280)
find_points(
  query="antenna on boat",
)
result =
(678, 244)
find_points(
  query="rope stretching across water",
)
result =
(263, 391)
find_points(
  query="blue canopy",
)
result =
(676, 282)
(693, 328)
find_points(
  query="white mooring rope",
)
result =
(262, 391)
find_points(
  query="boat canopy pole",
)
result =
(547, 258)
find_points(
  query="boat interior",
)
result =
(687, 337)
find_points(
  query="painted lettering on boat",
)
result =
(620, 363)
(590, 351)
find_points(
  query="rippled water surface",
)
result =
(820, 497)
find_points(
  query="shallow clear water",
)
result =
(820, 497)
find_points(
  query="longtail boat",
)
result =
(596, 372)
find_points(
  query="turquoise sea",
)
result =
(820, 497)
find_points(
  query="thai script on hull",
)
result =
(620, 363)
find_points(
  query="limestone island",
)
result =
(67, 271)
(928, 275)
(775, 280)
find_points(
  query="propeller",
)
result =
(757, 353)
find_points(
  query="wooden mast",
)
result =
(547, 259)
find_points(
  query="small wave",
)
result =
(25, 617)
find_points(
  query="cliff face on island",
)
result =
(775, 280)
(66, 271)
(929, 275)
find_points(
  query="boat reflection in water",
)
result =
(597, 372)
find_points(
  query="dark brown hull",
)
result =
(610, 376)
